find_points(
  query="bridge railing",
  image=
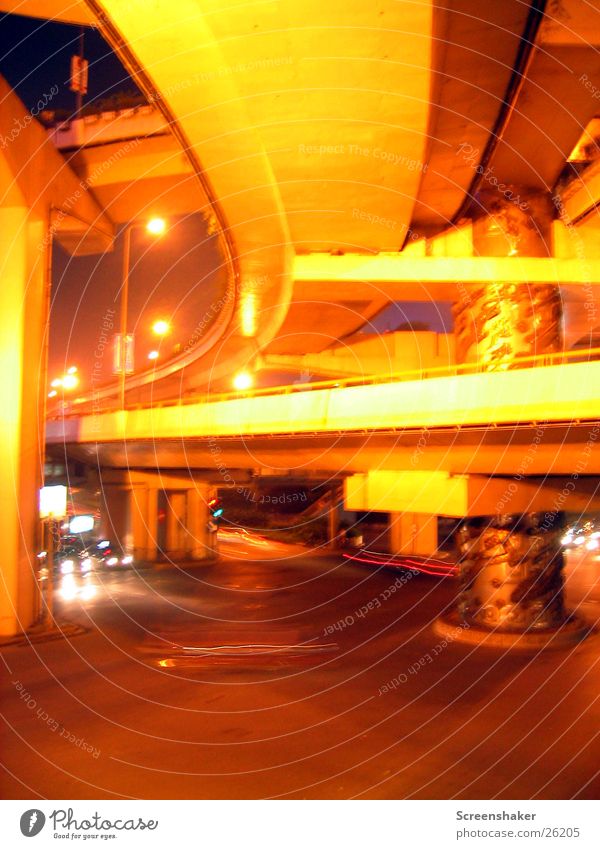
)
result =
(455, 370)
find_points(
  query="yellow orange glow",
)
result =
(243, 380)
(153, 355)
(161, 327)
(69, 381)
(156, 226)
(248, 314)
(53, 502)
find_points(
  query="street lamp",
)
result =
(242, 381)
(156, 227)
(161, 327)
(69, 380)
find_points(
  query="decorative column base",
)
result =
(511, 585)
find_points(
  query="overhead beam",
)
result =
(394, 271)
(442, 494)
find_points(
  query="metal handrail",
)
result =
(369, 380)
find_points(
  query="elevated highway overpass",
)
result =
(350, 156)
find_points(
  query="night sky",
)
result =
(35, 55)
(177, 278)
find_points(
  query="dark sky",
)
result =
(36, 55)
(176, 277)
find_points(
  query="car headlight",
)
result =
(67, 567)
(127, 560)
(567, 539)
(112, 561)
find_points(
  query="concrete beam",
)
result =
(439, 493)
(34, 174)
(397, 275)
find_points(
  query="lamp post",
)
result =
(156, 227)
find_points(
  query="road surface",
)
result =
(281, 672)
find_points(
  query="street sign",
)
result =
(79, 74)
(118, 354)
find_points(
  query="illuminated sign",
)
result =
(81, 524)
(53, 502)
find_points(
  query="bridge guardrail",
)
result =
(455, 370)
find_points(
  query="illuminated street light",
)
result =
(72, 370)
(243, 380)
(161, 327)
(52, 394)
(56, 382)
(156, 226)
(70, 381)
(153, 355)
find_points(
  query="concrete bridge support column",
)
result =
(511, 576)
(201, 541)
(130, 519)
(23, 257)
(510, 566)
(413, 533)
(143, 506)
(176, 536)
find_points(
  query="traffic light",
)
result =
(216, 507)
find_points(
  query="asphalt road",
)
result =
(280, 672)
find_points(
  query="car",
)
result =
(110, 554)
(74, 556)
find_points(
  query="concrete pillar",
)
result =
(176, 524)
(413, 533)
(511, 572)
(201, 541)
(23, 259)
(143, 507)
(500, 323)
(129, 519)
(333, 518)
(152, 524)
(510, 566)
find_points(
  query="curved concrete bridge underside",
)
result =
(334, 128)
(351, 155)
